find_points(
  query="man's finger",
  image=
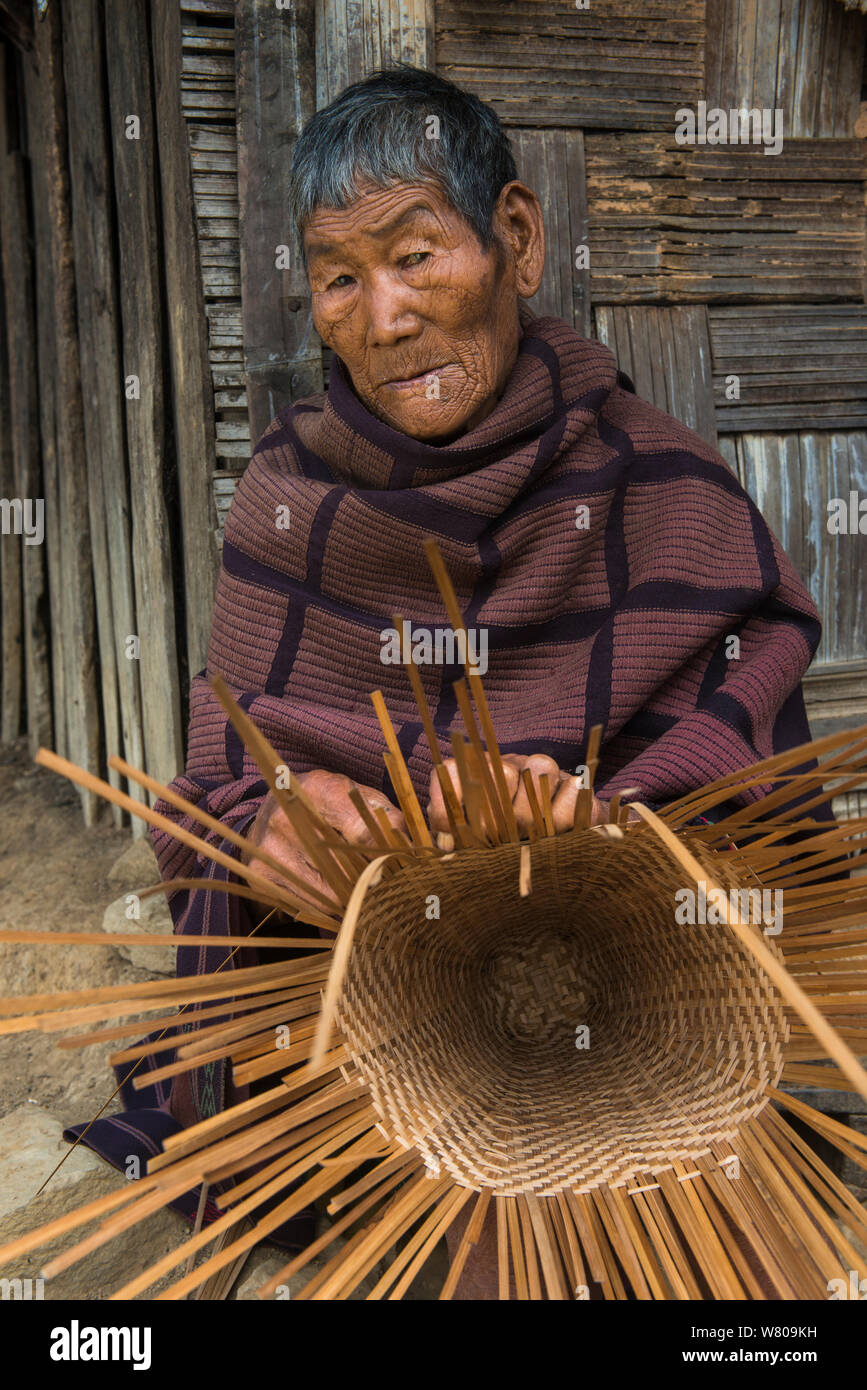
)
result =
(564, 801)
(297, 863)
(539, 765)
(351, 823)
(436, 808)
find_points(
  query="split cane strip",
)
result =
(788, 987)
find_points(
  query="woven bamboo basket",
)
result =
(518, 1030)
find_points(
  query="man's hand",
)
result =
(329, 792)
(564, 793)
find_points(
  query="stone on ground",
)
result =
(31, 1144)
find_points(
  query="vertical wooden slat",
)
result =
(131, 96)
(102, 381)
(78, 646)
(787, 59)
(46, 354)
(766, 52)
(792, 477)
(11, 676)
(804, 57)
(805, 114)
(23, 423)
(192, 397)
(275, 77)
(666, 352)
(355, 37)
(18, 18)
(745, 63)
(551, 162)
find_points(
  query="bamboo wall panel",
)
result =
(11, 675)
(131, 91)
(667, 354)
(355, 37)
(77, 640)
(276, 80)
(46, 353)
(803, 57)
(836, 698)
(797, 367)
(208, 29)
(792, 478)
(101, 378)
(551, 162)
(29, 653)
(192, 394)
(625, 64)
(208, 74)
(709, 224)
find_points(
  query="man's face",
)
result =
(425, 319)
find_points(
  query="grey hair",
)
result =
(377, 130)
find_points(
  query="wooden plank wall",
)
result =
(192, 397)
(107, 407)
(623, 65)
(102, 378)
(67, 490)
(275, 59)
(354, 37)
(26, 639)
(801, 56)
(209, 107)
(730, 283)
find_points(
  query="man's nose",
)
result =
(391, 310)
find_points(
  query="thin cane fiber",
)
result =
(516, 1027)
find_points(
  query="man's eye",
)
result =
(415, 258)
(335, 283)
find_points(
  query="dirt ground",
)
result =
(53, 877)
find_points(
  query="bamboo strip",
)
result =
(552, 1269)
(788, 987)
(340, 959)
(331, 1234)
(493, 816)
(449, 597)
(293, 801)
(471, 790)
(140, 809)
(503, 1290)
(539, 828)
(400, 776)
(406, 1264)
(516, 1245)
(777, 762)
(419, 695)
(410, 1206)
(23, 937)
(547, 804)
(469, 1238)
(226, 832)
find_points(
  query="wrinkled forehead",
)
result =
(377, 217)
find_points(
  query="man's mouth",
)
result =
(407, 383)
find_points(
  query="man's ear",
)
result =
(519, 222)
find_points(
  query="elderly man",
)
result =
(616, 570)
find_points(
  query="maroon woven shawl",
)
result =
(623, 621)
(604, 550)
